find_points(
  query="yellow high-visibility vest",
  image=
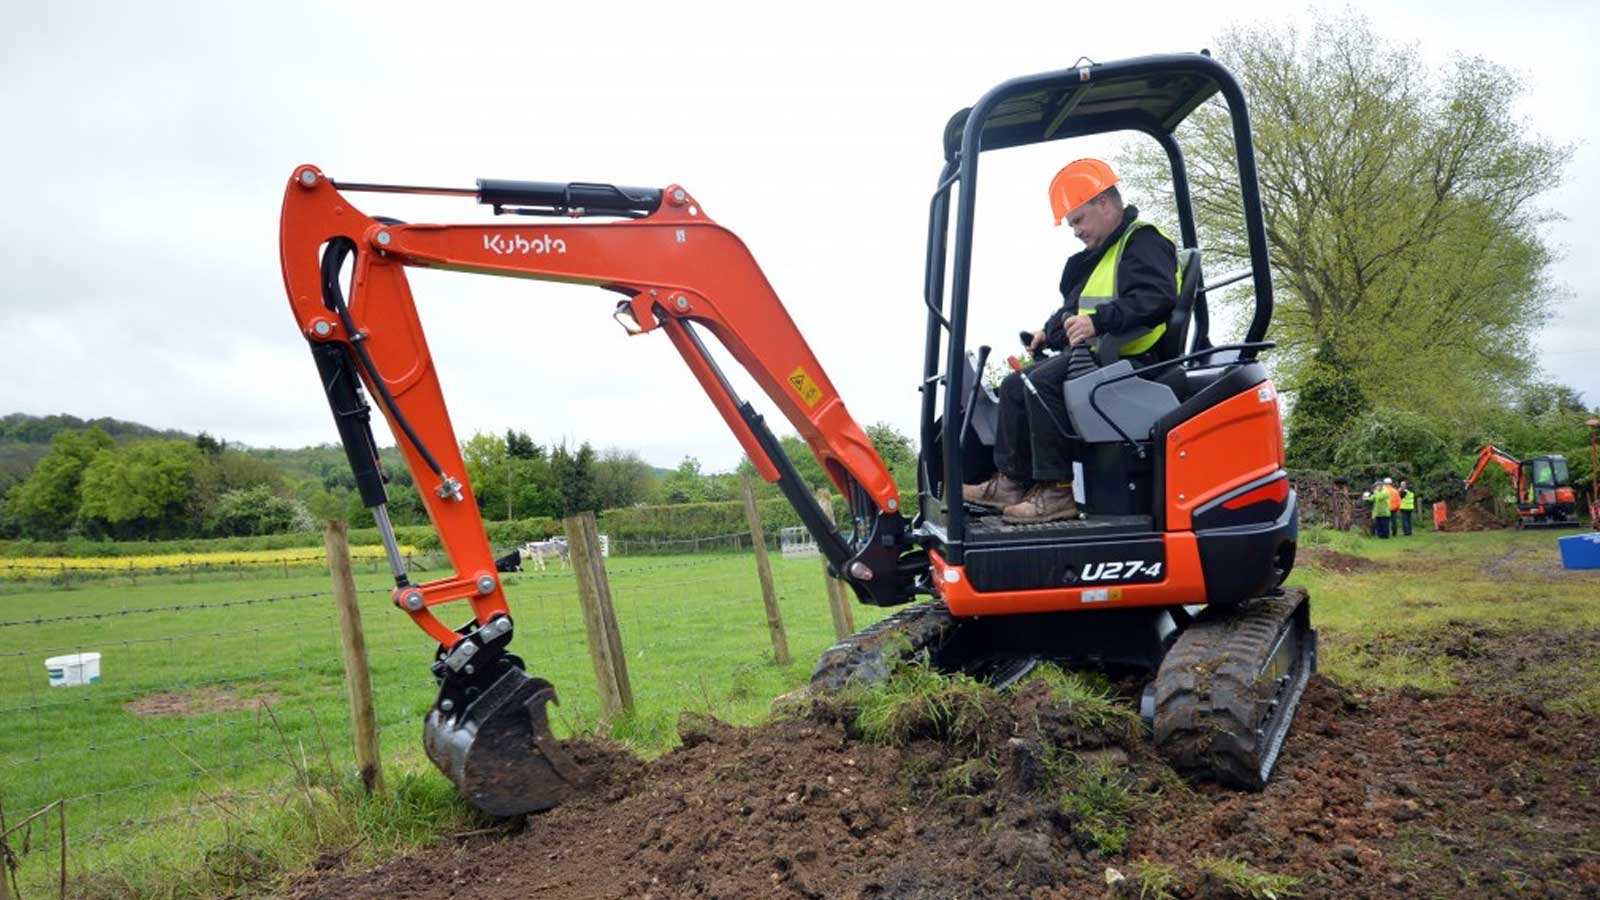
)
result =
(1101, 288)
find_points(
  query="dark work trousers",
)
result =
(1028, 446)
(1380, 526)
(1405, 521)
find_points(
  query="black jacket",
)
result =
(1146, 284)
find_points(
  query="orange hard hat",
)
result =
(1077, 183)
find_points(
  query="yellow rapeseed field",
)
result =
(27, 566)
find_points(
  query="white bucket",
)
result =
(73, 669)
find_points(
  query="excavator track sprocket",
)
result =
(1226, 693)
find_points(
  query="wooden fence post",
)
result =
(357, 678)
(599, 617)
(844, 617)
(769, 594)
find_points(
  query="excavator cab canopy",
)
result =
(1152, 95)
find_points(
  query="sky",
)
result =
(148, 145)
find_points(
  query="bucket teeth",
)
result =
(499, 750)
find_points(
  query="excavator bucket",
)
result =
(498, 749)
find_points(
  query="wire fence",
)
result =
(211, 684)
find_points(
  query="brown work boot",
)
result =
(1043, 503)
(998, 492)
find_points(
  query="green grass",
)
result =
(917, 702)
(1098, 801)
(1087, 699)
(1246, 881)
(693, 628)
(1433, 582)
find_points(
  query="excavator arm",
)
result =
(680, 273)
(1491, 453)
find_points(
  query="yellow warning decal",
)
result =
(804, 386)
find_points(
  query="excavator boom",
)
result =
(681, 273)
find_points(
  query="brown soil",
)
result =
(196, 702)
(1475, 512)
(1484, 792)
(1334, 561)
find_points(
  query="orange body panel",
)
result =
(675, 262)
(1185, 583)
(1225, 447)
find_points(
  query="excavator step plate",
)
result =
(499, 750)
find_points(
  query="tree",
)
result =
(141, 490)
(899, 454)
(685, 484)
(622, 478)
(1328, 401)
(256, 510)
(575, 478)
(1401, 209)
(520, 446)
(46, 504)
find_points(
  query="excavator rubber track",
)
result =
(1226, 693)
(871, 654)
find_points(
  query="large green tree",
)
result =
(140, 490)
(623, 478)
(46, 504)
(1401, 204)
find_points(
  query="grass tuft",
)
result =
(1156, 881)
(1087, 700)
(916, 701)
(1099, 802)
(1244, 880)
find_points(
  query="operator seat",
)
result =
(1131, 406)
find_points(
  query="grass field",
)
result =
(179, 719)
(166, 752)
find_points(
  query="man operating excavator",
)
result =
(1124, 282)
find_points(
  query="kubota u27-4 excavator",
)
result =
(1175, 569)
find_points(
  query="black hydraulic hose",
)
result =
(333, 298)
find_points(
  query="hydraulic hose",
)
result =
(333, 298)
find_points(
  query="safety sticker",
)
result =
(1102, 595)
(804, 386)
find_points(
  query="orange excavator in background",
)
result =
(1174, 571)
(1543, 487)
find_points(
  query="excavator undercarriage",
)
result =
(1223, 682)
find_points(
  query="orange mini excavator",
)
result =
(1545, 498)
(1174, 571)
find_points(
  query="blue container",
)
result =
(1581, 551)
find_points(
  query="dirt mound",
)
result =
(1475, 512)
(1392, 794)
(1333, 561)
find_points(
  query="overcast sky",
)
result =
(147, 145)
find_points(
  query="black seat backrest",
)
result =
(1172, 344)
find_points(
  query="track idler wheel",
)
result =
(497, 747)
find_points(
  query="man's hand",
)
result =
(1037, 342)
(1080, 330)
